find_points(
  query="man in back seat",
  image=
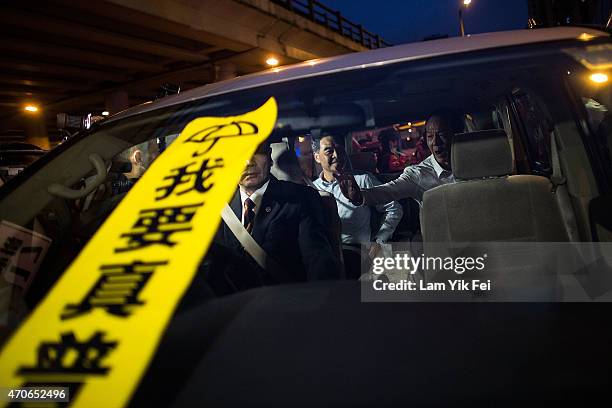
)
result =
(434, 171)
(355, 220)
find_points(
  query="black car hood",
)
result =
(318, 344)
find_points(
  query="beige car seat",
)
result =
(487, 203)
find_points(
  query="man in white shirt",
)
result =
(355, 219)
(434, 171)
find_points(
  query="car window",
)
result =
(597, 101)
(351, 105)
(536, 131)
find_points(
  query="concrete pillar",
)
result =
(35, 129)
(225, 70)
(116, 102)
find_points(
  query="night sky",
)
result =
(400, 21)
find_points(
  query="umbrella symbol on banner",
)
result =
(212, 134)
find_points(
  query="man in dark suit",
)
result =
(285, 219)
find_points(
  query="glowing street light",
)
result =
(31, 108)
(599, 78)
(271, 61)
(466, 4)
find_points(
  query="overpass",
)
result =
(88, 57)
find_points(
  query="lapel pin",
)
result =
(268, 209)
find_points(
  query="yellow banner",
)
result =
(99, 326)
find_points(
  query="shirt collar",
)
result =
(325, 182)
(256, 197)
(437, 168)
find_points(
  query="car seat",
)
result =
(487, 206)
(487, 203)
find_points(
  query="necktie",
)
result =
(249, 214)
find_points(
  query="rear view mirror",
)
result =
(328, 117)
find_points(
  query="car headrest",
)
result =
(285, 166)
(485, 153)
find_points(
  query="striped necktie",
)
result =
(249, 214)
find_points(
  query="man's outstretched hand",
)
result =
(349, 187)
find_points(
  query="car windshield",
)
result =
(376, 113)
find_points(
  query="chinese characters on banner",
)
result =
(98, 328)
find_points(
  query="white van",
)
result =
(533, 164)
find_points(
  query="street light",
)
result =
(599, 78)
(271, 61)
(466, 4)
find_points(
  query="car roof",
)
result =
(365, 59)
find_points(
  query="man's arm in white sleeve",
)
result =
(406, 185)
(392, 212)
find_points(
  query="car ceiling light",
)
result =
(31, 108)
(105, 113)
